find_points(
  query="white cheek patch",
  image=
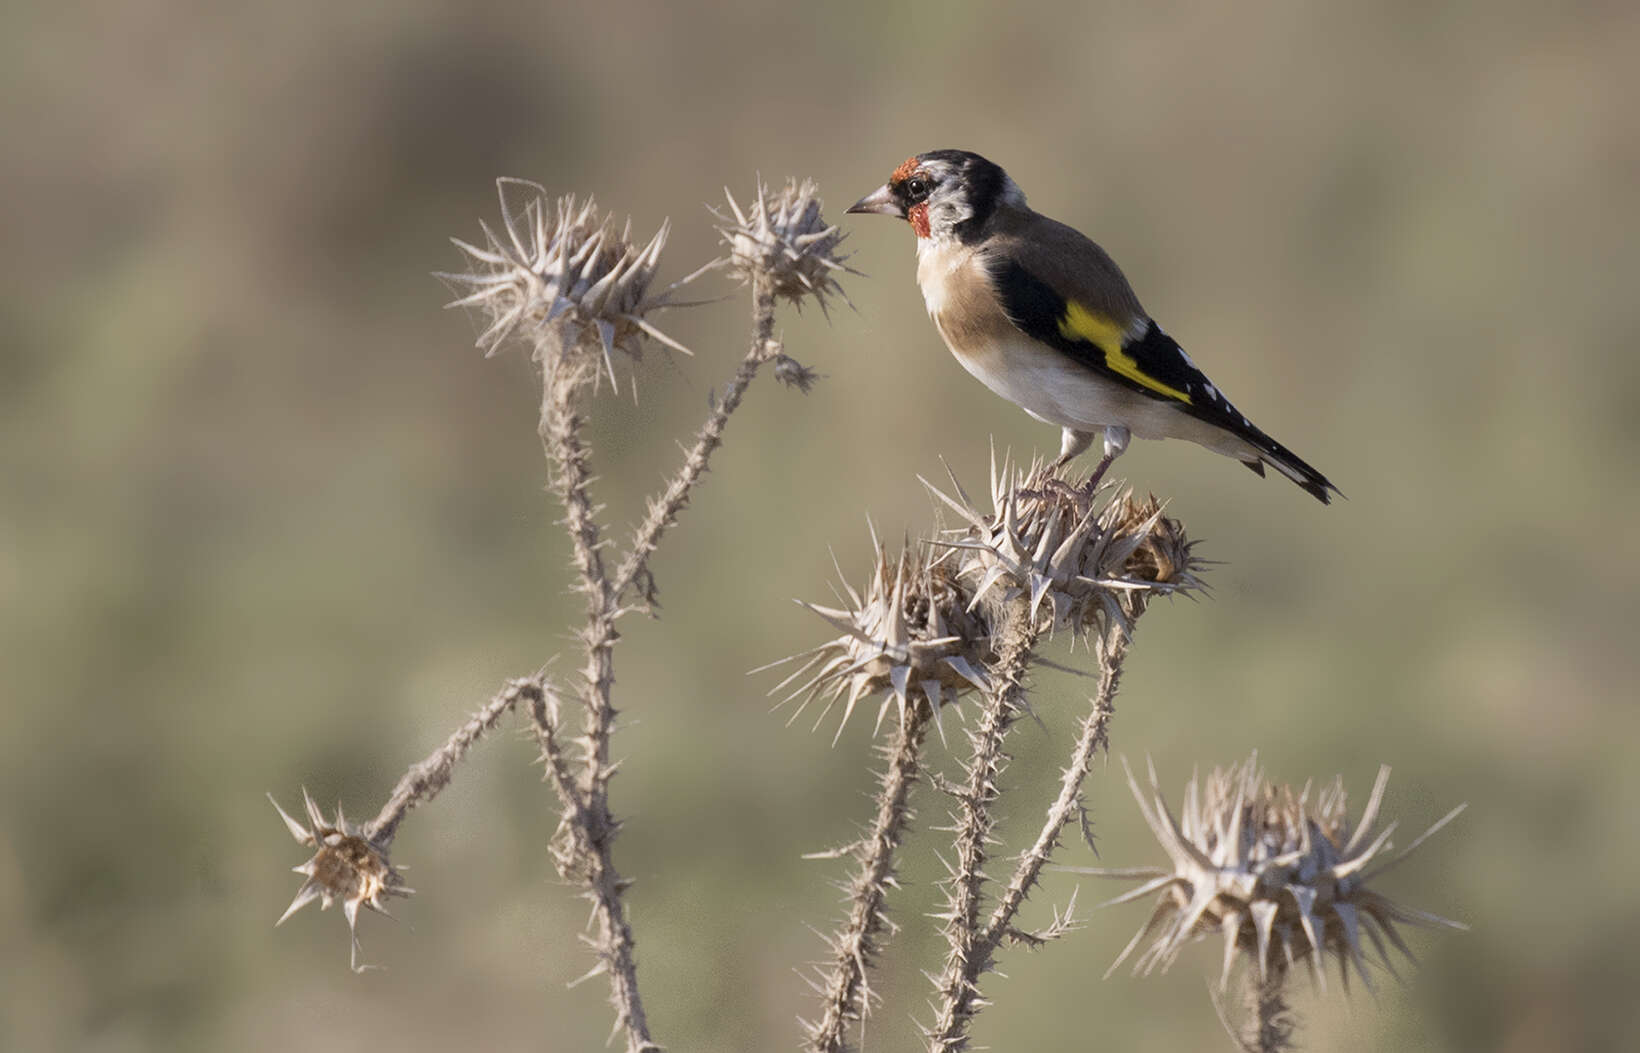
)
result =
(947, 214)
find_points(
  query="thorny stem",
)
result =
(1015, 633)
(1271, 1023)
(590, 824)
(596, 828)
(544, 710)
(428, 777)
(843, 987)
(1094, 736)
(663, 511)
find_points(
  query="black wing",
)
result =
(1135, 353)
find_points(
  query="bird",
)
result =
(1045, 318)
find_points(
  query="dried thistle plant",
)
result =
(955, 622)
(908, 633)
(562, 276)
(1075, 561)
(963, 616)
(346, 866)
(782, 238)
(1281, 876)
(573, 287)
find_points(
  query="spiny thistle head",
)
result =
(783, 238)
(1279, 875)
(1082, 564)
(909, 633)
(347, 866)
(564, 277)
(1163, 552)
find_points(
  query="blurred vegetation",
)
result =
(267, 519)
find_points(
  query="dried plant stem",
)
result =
(588, 822)
(1094, 736)
(843, 985)
(593, 827)
(1270, 1019)
(428, 777)
(1015, 634)
(544, 710)
(663, 510)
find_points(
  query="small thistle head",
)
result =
(346, 866)
(1279, 875)
(909, 634)
(1084, 565)
(783, 238)
(1162, 551)
(794, 374)
(564, 277)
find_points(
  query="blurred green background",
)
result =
(267, 519)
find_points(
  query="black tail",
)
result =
(1291, 465)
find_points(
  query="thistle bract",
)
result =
(908, 633)
(1281, 876)
(1081, 562)
(564, 277)
(346, 866)
(783, 238)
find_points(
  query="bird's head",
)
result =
(944, 194)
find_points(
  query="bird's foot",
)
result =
(1085, 493)
(1052, 487)
(1079, 496)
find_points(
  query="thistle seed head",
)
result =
(1083, 564)
(909, 633)
(794, 374)
(347, 866)
(565, 278)
(1280, 876)
(783, 238)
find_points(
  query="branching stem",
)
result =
(844, 990)
(1015, 632)
(663, 510)
(428, 777)
(589, 825)
(1093, 737)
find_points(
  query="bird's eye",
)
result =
(916, 188)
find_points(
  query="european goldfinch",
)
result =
(1047, 320)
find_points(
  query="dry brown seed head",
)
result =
(1083, 564)
(346, 867)
(783, 238)
(565, 278)
(909, 634)
(1280, 875)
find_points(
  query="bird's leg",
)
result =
(1089, 488)
(1116, 440)
(1071, 443)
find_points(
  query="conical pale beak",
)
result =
(880, 201)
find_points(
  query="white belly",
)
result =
(1047, 384)
(1054, 389)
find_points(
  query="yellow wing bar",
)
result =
(1079, 323)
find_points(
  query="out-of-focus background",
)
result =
(267, 519)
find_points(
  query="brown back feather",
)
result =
(1067, 261)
